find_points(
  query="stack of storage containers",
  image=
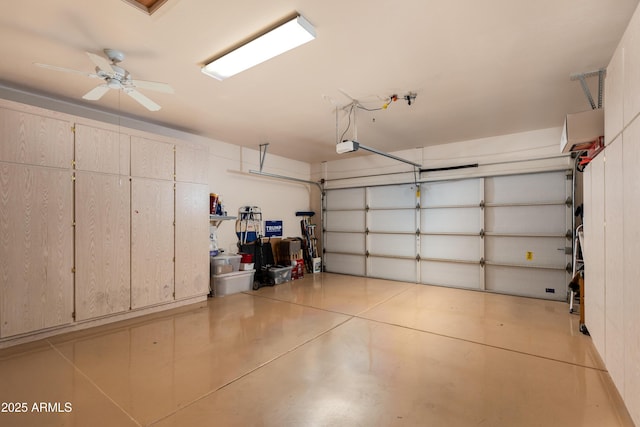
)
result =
(227, 277)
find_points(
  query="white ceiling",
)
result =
(479, 68)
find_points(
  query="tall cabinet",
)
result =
(102, 208)
(97, 222)
(612, 231)
(36, 222)
(192, 234)
(152, 218)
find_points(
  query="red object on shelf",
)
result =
(246, 258)
(592, 151)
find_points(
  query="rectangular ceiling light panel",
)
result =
(287, 36)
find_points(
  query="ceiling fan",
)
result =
(115, 77)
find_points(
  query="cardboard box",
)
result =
(581, 130)
(289, 250)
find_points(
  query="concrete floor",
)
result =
(327, 350)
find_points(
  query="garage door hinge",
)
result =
(417, 205)
(481, 233)
(482, 262)
(569, 268)
(366, 254)
(568, 202)
(481, 204)
(366, 231)
(366, 208)
(418, 257)
(569, 235)
(418, 232)
(73, 128)
(73, 315)
(73, 270)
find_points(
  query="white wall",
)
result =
(277, 199)
(531, 151)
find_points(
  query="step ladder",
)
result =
(578, 268)
(577, 281)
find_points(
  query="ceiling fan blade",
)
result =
(65, 70)
(157, 86)
(143, 100)
(101, 62)
(96, 93)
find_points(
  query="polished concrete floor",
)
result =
(327, 350)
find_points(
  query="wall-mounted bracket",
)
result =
(585, 88)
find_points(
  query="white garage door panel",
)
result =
(527, 281)
(544, 251)
(467, 248)
(457, 220)
(345, 220)
(526, 219)
(538, 187)
(344, 242)
(396, 196)
(396, 269)
(451, 274)
(352, 198)
(393, 244)
(345, 264)
(393, 221)
(451, 193)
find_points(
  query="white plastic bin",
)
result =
(232, 283)
(223, 259)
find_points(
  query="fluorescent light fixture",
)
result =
(287, 36)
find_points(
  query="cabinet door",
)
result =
(102, 150)
(103, 275)
(152, 159)
(192, 239)
(36, 248)
(191, 164)
(31, 139)
(152, 242)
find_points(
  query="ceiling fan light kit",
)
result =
(116, 77)
(280, 39)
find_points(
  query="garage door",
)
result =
(503, 234)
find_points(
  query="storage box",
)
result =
(279, 274)
(223, 268)
(244, 266)
(223, 259)
(289, 250)
(231, 283)
(317, 265)
(581, 129)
